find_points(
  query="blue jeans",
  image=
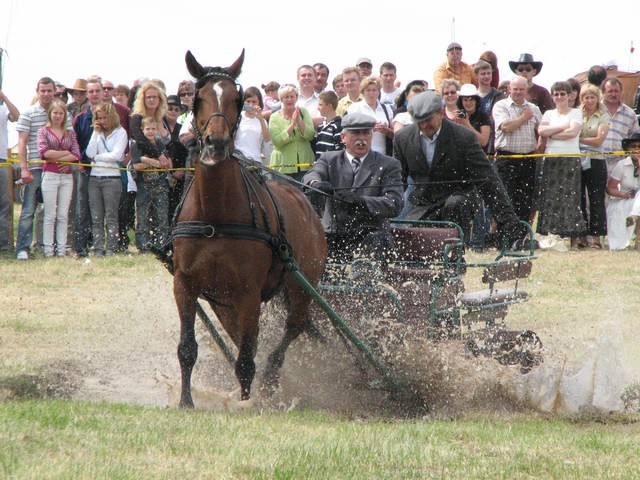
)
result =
(6, 176)
(29, 204)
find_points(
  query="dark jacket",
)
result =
(459, 166)
(378, 181)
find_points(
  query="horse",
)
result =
(235, 235)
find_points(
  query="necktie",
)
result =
(356, 165)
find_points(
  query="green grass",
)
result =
(56, 439)
(58, 306)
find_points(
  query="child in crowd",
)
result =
(328, 133)
(271, 100)
(152, 198)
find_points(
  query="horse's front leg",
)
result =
(246, 367)
(188, 347)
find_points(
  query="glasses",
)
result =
(524, 69)
(185, 94)
(451, 92)
(108, 89)
(559, 94)
(60, 95)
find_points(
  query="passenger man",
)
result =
(29, 122)
(623, 120)
(363, 191)
(516, 122)
(454, 67)
(450, 170)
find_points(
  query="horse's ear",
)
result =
(195, 69)
(236, 68)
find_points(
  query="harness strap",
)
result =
(239, 231)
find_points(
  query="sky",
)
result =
(125, 40)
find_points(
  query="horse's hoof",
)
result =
(186, 402)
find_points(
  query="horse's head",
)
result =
(216, 108)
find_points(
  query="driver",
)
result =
(363, 191)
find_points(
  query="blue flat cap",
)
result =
(358, 121)
(423, 105)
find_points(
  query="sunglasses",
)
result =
(108, 89)
(60, 95)
(524, 69)
(559, 94)
(452, 92)
(185, 94)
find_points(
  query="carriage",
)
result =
(241, 237)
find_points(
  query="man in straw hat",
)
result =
(450, 170)
(80, 99)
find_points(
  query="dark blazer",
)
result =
(378, 181)
(459, 166)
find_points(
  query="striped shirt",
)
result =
(48, 140)
(30, 121)
(328, 137)
(623, 123)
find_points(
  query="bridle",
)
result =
(216, 74)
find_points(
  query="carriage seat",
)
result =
(489, 304)
(422, 252)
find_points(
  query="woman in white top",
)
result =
(106, 149)
(382, 140)
(253, 138)
(623, 204)
(559, 177)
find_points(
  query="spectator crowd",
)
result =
(101, 164)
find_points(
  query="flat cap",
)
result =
(453, 45)
(358, 121)
(422, 105)
(364, 60)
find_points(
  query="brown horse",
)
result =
(233, 235)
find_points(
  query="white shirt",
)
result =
(379, 140)
(389, 98)
(4, 134)
(249, 138)
(106, 153)
(310, 103)
(554, 119)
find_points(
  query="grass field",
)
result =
(66, 323)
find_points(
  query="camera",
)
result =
(461, 114)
